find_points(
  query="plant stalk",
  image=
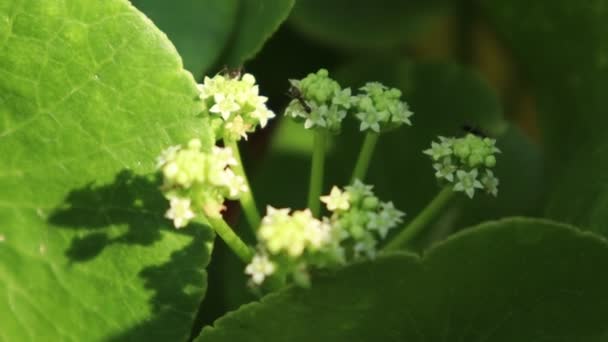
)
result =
(365, 156)
(247, 199)
(412, 229)
(233, 241)
(316, 172)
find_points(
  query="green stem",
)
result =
(247, 200)
(231, 239)
(365, 156)
(316, 172)
(412, 229)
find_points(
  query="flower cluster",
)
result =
(319, 101)
(198, 180)
(237, 101)
(291, 243)
(466, 162)
(380, 108)
(362, 219)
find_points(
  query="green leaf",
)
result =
(569, 71)
(199, 29)
(90, 93)
(364, 23)
(256, 22)
(210, 33)
(512, 280)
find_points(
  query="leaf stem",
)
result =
(233, 241)
(412, 229)
(316, 172)
(247, 200)
(365, 156)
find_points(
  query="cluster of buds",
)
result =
(319, 101)
(466, 162)
(194, 179)
(380, 108)
(292, 242)
(237, 102)
(361, 218)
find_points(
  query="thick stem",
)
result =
(316, 172)
(233, 241)
(365, 156)
(247, 200)
(412, 229)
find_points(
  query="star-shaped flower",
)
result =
(369, 120)
(490, 183)
(224, 105)
(259, 268)
(445, 169)
(180, 211)
(467, 182)
(336, 200)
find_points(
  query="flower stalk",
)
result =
(316, 172)
(365, 156)
(246, 199)
(230, 238)
(417, 225)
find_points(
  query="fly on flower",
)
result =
(475, 130)
(232, 73)
(296, 94)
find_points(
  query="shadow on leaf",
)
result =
(129, 211)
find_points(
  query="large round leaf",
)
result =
(90, 93)
(364, 23)
(561, 47)
(200, 29)
(511, 280)
(211, 32)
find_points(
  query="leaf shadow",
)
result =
(129, 211)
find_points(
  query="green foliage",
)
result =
(91, 92)
(200, 30)
(369, 24)
(224, 32)
(571, 88)
(511, 280)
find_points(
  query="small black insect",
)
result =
(474, 130)
(231, 72)
(296, 94)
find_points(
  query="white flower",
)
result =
(401, 113)
(167, 155)
(316, 118)
(179, 211)
(263, 114)
(237, 128)
(224, 105)
(445, 169)
(439, 150)
(293, 234)
(369, 120)
(260, 268)
(224, 156)
(467, 182)
(490, 183)
(235, 184)
(336, 200)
